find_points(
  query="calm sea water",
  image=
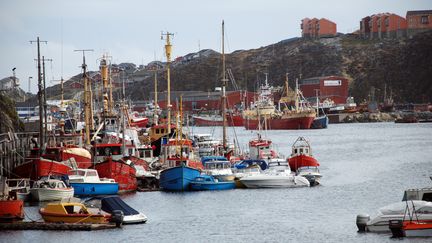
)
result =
(365, 166)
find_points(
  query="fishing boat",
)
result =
(302, 161)
(321, 120)
(232, 120)
(218, 167)
(72, 213)
(263, 111)
(35, 168)
(178, 178)
(122, 171)
(21, 187)
(209, 183)
(110, 204)
(50, 190)
(11, 208)
(86, 182)
(278, 175)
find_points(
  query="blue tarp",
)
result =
(111, 203)
(249, 162)
(205, 159)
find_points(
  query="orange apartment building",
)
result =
(418, 21)
(317, 28)
(390, 25)
(383, 25)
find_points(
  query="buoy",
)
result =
(361, 222)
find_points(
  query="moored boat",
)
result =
(122, 171)
(11, 208)
(178, 178)
(209, 183)
(302, 161)
(72, 213)
(21, 187)
(50, 190)
(217, 166)
(110, 204)
(35, 168)
(86, 182)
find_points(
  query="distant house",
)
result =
(9, 83)
(418, 21)
(317, 28)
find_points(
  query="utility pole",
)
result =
(40, 98)
(168, 48)
(88, 109)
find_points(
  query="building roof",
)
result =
(418, 12)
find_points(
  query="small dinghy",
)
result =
(114, 204)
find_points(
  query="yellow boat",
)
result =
(72, 213)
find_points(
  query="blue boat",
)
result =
(320, 122)
(209, 183)
(177, 178)
(86, 182)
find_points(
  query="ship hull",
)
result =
(302, 161)
(38, 167)
(280, 123)
(122, 173)
(178, 178)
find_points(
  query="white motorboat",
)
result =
(311, 173)
(21, 187)
(218, 167)
(277, 176)
(395, 211)
(51, 190)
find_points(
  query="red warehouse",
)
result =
(332, 87)
(418, 21)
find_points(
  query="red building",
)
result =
(418, 21)
(317, 28)
(332, 87)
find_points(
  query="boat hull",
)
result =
(49, 194)
(122, 173)
(280, 123)
(212, 186)
(320, 122)
(177, 178)
(269, 181)
(91, 189)
(231, 121)
(38, 167)
(303, 160)
(75, 218)
(415, 229)
(11, 210)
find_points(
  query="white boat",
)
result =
(277, 176)
(51, 190)
(218, 167)
(396, 211)
(21, 187)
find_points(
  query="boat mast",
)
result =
(123, 113)
(317, 102)
(168, 48)
(88, 109)
(156, 107)
(224, 81)
(296, 97)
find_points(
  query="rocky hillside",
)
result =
(9, 121)
(401, 65)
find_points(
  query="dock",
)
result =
(54, 226)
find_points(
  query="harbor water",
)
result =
(364, 167)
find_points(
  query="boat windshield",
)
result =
(308, 169)
(77, 172)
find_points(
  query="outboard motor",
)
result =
(396, 227)
(361, 222)
(117, 217)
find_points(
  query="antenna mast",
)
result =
(168, 48)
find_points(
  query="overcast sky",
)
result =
(129, 30)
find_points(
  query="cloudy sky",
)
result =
(129, 30)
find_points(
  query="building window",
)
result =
(386, 21)
(425, 19)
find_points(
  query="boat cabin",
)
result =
(66, 208)
(424, 194)
(301, 147)
(50, 183)
(84, 175)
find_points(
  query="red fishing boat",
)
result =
(10, 207)
(34, 168)
(303, 163)
(122, 171)
(263, 112)
(232, 120)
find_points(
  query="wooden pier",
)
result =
(14, 147)
(54, 226)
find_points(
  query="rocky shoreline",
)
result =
(378, 117)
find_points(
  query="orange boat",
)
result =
(10, 207)
(72, 213)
